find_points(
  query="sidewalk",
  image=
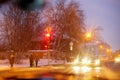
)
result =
(4, 64)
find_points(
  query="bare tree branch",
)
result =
(67, 22)
(18, 29)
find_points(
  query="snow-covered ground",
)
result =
(25, 63)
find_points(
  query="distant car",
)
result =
(88, 61)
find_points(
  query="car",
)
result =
(88, 61)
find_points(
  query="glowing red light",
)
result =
(47, 35)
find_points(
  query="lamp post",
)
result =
(88, 38)
(109, 51)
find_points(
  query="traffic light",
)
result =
(31, 4)
(48, 32)
(47, 36)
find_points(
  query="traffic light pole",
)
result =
(48, 52)
(48, 38)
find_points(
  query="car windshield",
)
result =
(59, 40)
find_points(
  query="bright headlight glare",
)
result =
(85, 69)
(76, 61)
(89, 61)
(86, 61)
(97, 62)
(76, 69)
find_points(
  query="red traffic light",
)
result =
(47, 35)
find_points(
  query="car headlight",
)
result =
(97, 62)
(86, 61)
(76, 61)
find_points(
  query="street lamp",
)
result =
(88, 36)
(108, 51)
(87, 39)
(101, 47)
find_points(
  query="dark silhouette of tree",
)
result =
(18, 29)
(67, 21)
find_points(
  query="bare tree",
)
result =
(18, 29)
(67, 21)
(2, 41)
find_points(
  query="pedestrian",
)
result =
(11, 59)
(36, 59)
(31, 60)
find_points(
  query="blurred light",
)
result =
(101, 47)
(88, 35)
(86, 61)
(108, 50)
(71, 48)
(48, 29)
(76, 61)
(97, 62)
(70, 78)
(97, 69)
(76, 69)
(85, 69)
(117, 60)
(47, 35)
(71, 45)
